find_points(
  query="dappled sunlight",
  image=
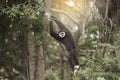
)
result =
(74, 14)
(75, 8)
(71, 12)
(34, 45)
(70, 3)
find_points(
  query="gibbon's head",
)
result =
(62, 34)
(48, 16)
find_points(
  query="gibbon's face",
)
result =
(62, 34)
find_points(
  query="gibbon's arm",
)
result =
(52, 18)
(61, 34)
(60, 24)
(52, 32)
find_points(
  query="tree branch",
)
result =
(65, 13)
(106, 11)
(47, 5)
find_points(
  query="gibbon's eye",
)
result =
(62, 34)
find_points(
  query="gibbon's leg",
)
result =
(71, 63)
(75, 59)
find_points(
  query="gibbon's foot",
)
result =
(48, 16)
(76, 67)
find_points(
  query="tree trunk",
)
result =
(30, 38)
(25, 61)
(39, 64)
(118, 57)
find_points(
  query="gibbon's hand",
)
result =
(48, 16)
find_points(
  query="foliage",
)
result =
(15, 18)
(99, 63)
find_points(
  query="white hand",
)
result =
(76, 67)
(48, 16)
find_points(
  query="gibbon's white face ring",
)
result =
(62, 34)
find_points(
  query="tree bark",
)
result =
(30, 38)
(118, 57)
(25, 60)
(39, 64)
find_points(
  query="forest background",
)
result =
(28, 52)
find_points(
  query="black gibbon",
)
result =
(65, 37)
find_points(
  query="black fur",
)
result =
(67, 41)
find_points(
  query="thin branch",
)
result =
(65, 13)
(78, 33)
(106, 11)
(47, 5)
